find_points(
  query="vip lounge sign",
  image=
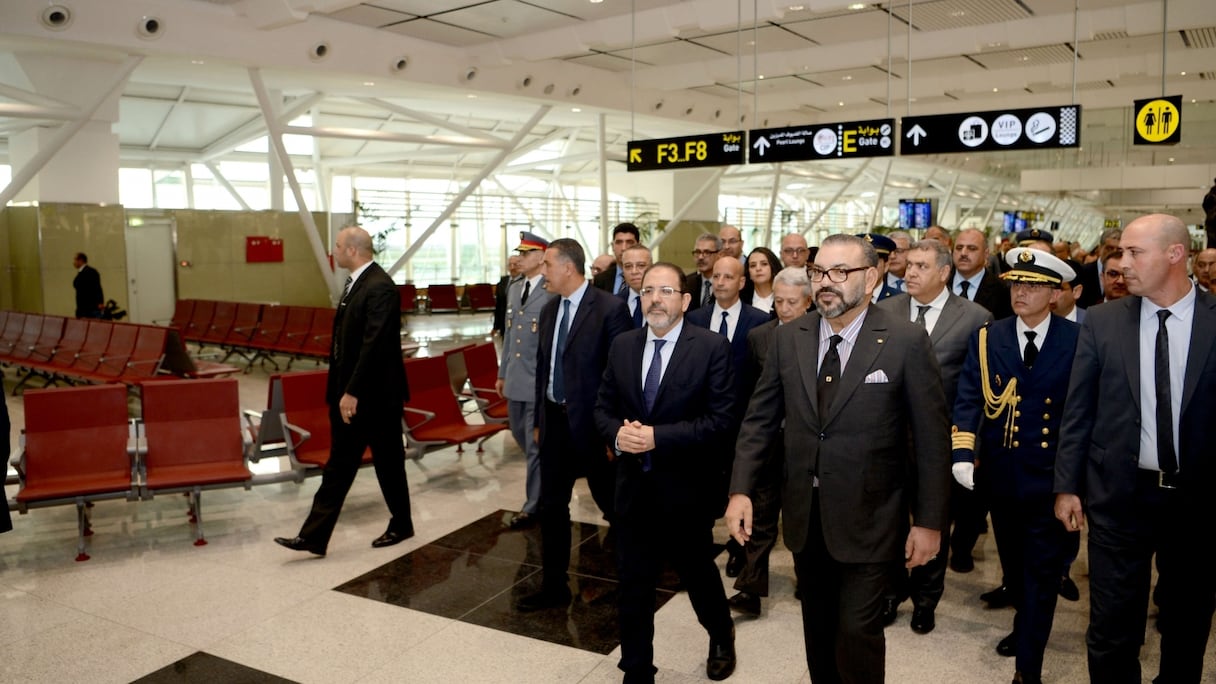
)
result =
(1158, 121)
(1016, 129)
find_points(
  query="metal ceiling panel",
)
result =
(941, 15)
(767, 39)
(608, 62)
(439, 32)
(1122, 47)
(845, 28)
(670, 52)
(508, 18)
(945, 66)
(848, 77)
(430, 7)
(1008, 59)
(370, 15)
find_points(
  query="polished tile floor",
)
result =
(151, 607)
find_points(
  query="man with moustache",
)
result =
(699, 284)
(1092, 273)
(794, 251)
(852, 383)
(1009, 397)
(791, 299)
(634, 262)
(1114, 284)
(972, 280)
(1135, 458)
(665, 402)
(1204, 268)
(611, 279)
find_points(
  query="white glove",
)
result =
(964, 474)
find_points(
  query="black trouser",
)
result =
(1120, 557)
(766, 517)
(645, 538)
(379, 428)
(1034, 552)
(563, 459)
(841, 612)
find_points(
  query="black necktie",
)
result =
(523, 299)
(920, 315)
(1031, 352)
(723, 329)
(707, 291)
(1166, 458)
(559, 375)
(963, 287)
(637, 312)
(346, 288)
(650, 388)
(829, 376)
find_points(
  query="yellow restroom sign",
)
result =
(1158, 121)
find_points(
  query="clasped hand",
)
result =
(635, 438)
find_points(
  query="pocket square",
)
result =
(878, 376)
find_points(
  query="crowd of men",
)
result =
(883, 399)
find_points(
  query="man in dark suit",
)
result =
(972, 280)
(634, 262)
(699, 284)
(950, 321)
(576, 328)
(89, 299)
(1135, 451)
(500, 295)
(1091, 273)
(612, 279)
(731, 318)
(852, 383)
(365, 392)
(883, 246)
(791, 299)
(1009, 395)
(665, 401)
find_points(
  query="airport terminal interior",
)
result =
(211, 150)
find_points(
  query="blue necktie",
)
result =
(563, 329)
(650, 389)
(637, 312)
(899, 285)
(722, 329)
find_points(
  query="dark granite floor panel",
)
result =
(205, 668)
(477, 573)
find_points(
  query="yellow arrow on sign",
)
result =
(635, 156)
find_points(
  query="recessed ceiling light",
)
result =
(996, 90)
(576, 110)
(857, 6)
(761, 77)
(1171, 160)
(197, 61)
(369, 83)
(840, 104)
(797, 8)
(471, 96)
(596, 2)
(1192, 100)
(1182, 74)
(958, 13)
(846, 78)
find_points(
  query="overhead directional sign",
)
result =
(1008, 129)
(710, 149)
(1158, 121)
(822, 141)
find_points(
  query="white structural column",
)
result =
(77, 161)
(694, 203)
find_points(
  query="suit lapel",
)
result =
(861, 359)
(1049, 353)
(1203, 329)
(946, 319)
(585, 306)
(1130, 341)
(808, 360)
(678, 356)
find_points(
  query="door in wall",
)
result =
(151, 257)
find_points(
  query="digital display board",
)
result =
(1007, 129)
(844, 140)
(915, 213)
(692, 151)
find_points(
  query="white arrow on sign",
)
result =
(761, 145)
(916, 134)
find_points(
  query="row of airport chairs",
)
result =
(445, 299)
(79, 445)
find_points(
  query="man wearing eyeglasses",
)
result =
(664, 403)
(852, 382)
(1114, 284)
(732, 243)
(794, 251)
(699, 284)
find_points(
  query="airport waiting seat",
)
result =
(305, 419)
(146, 358)
(221, 322)
(244, 325)
(432, 415)
(458, 374)
(481, 366)
(193, 441)
(480, 296)
(409, 298)
(317, 343)
(442, 299)
(177, 360)
(265, 427)
(75, 330)
(75, 449)
(182, 311)
(268, 336)
(200, 321)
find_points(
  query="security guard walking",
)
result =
(1011, 394)
(517, 372)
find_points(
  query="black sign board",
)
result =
(822, 141)
(710, 149)
(1158, 121)
(1010, 129)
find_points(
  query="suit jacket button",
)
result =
(1015, 428)
(1015, 444)
(517, 355)
(823, 436)
(1046, 431)
(1046, 416)
(1044, 445)
(1047, 401)
(1017, 414)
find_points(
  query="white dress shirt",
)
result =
(1178, 325)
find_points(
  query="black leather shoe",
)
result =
(1019, 678)
(1000, 597)
(746, 603)
(735, 560)
(391, 537)
(923, 620)
(721, 661)
(521, 521)
(890, 608)
(1069, 590)
(1008, 646)
(300, 544)
(545, 599)
(962, 562)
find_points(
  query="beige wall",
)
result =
(677, 247)
(64, 230)
(212, 243)
(6, 284)
(24, 265)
